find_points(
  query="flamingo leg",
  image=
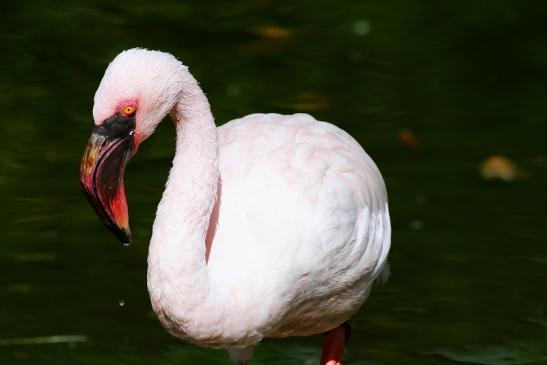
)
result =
(333, 346)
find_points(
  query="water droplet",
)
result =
(121, 302)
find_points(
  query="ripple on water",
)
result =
(500, 354)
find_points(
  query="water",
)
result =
(467, 80)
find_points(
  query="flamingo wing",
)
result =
(303, 225)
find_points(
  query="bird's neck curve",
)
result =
(180, 288)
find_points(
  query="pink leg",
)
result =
(333, 347)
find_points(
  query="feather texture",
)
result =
(270, 225)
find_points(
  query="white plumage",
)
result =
(304, 208)
(270, 225)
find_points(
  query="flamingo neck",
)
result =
(180, 287)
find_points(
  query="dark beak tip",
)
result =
(125, 236)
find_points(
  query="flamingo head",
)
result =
(137, 91)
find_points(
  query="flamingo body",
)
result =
(269, 226)
(302, 225)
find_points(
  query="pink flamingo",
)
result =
(269, 226)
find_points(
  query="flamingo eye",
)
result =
(128, 110)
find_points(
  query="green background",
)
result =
(467, 78)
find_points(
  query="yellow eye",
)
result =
(128, 110)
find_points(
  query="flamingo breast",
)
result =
(303, 225)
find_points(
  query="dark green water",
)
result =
(469, 256)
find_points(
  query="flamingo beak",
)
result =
(109, 149)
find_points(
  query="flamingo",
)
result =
(269, 226)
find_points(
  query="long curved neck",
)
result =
(178, 280)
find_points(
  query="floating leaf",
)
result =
(498, 167)
(272, 32)
(408, 138)
(310, 101)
